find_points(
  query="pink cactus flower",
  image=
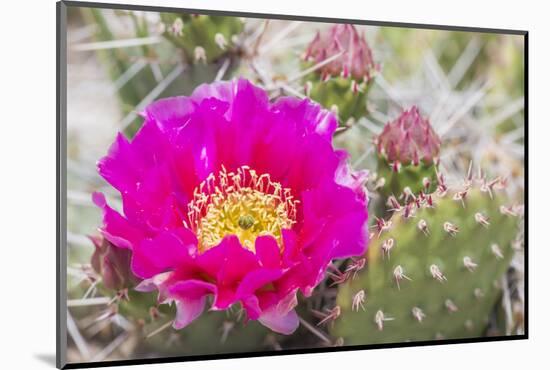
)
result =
(356, 60)
(409, 139)
(230, 196)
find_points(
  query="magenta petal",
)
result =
(116, 228)
(127, 162)
(346, 177)
(164, 252)
(170, 113)
(228, 261)
(223, 91)
(352, 244)
(190, 297)
(284, 324)
(308, 115)
(252, 282)
(257, 279)
(268, 251)
(187, 311)
(153, 283)
(291, 247)
(118, 167)
(191, 289)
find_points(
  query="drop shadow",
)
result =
(47, 358)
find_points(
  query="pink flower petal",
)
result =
(268, 251)
(282, 318)
(165, 252)
(190, 297)
(116, 228)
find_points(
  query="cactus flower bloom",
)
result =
(356, 60)
(409, 139)
(229, 196)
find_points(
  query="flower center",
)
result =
(241, 203)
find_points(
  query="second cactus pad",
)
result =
(203, 38)
(435, 274)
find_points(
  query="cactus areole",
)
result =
(226, 195)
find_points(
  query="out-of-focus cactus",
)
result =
(118, 61)
(203, 38)
(433, 270)
(342, 83)
(407, 150)
(199, 41)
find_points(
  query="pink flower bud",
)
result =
(408, 139)
(112, 263)
(356, 59)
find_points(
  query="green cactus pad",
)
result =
(409, 176)
(429, 306)
(338, 92)
(213, 332)
(202, 31)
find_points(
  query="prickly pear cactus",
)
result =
(433, 269)
(345, 71)
(407, 155)
(203, 38)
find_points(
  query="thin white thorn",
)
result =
(96, 301)
(128, 74)
(268, 46)
(79, 341)
(111, 347)
(159, 329)
(222, 70)
(151, 96)
(116, 44)
(315, 331)
(315, 67)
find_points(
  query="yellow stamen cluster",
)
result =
(242, 203)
